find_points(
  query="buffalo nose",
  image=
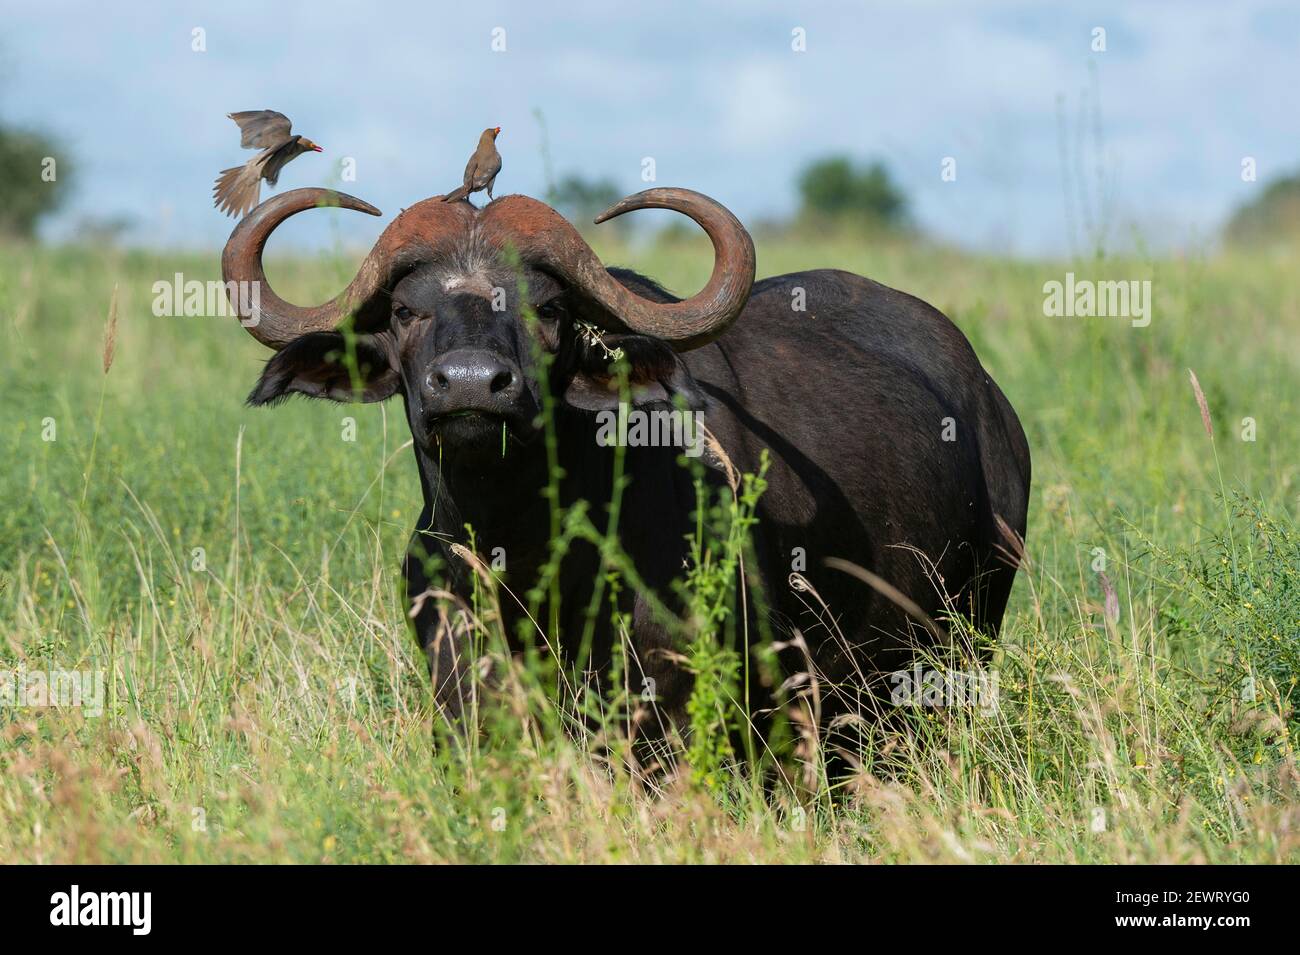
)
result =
(471, 379)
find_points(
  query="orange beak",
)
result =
(497, 131)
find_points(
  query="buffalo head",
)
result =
(454, 306)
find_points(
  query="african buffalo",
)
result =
(890, 446)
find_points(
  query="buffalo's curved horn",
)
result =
(544, 236)
(269, 318)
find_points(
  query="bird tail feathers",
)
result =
(237, 190)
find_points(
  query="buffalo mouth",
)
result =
(478, 428)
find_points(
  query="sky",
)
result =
(1052, 140)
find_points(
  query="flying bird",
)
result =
(481, 171)
(237, 189)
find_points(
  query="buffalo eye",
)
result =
(549, 312)
(402, 313)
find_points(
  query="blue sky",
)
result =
(712, 91)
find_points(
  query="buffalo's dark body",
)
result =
(851, 400)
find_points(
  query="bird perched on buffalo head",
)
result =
(481, 171)
(237, 189)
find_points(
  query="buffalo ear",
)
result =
(656, 378)
(318, 365)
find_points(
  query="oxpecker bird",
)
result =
(481, 171)
(237, 189)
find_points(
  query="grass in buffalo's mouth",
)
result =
(469, 413)
(263, 699)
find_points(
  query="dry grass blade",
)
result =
(1201, 402)
(1112, 597)
(1013, 553)
(887, 590)
(110, 332)
(721, 459)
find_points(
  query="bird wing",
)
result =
(261, 128)
(492, 166)
(486, 170)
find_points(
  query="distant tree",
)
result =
(33, 180)
(1273, 214)
(580, 200)
(103, 230)
(836, 188)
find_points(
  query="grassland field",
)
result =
(265, 701)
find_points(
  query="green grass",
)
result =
(268, 704)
